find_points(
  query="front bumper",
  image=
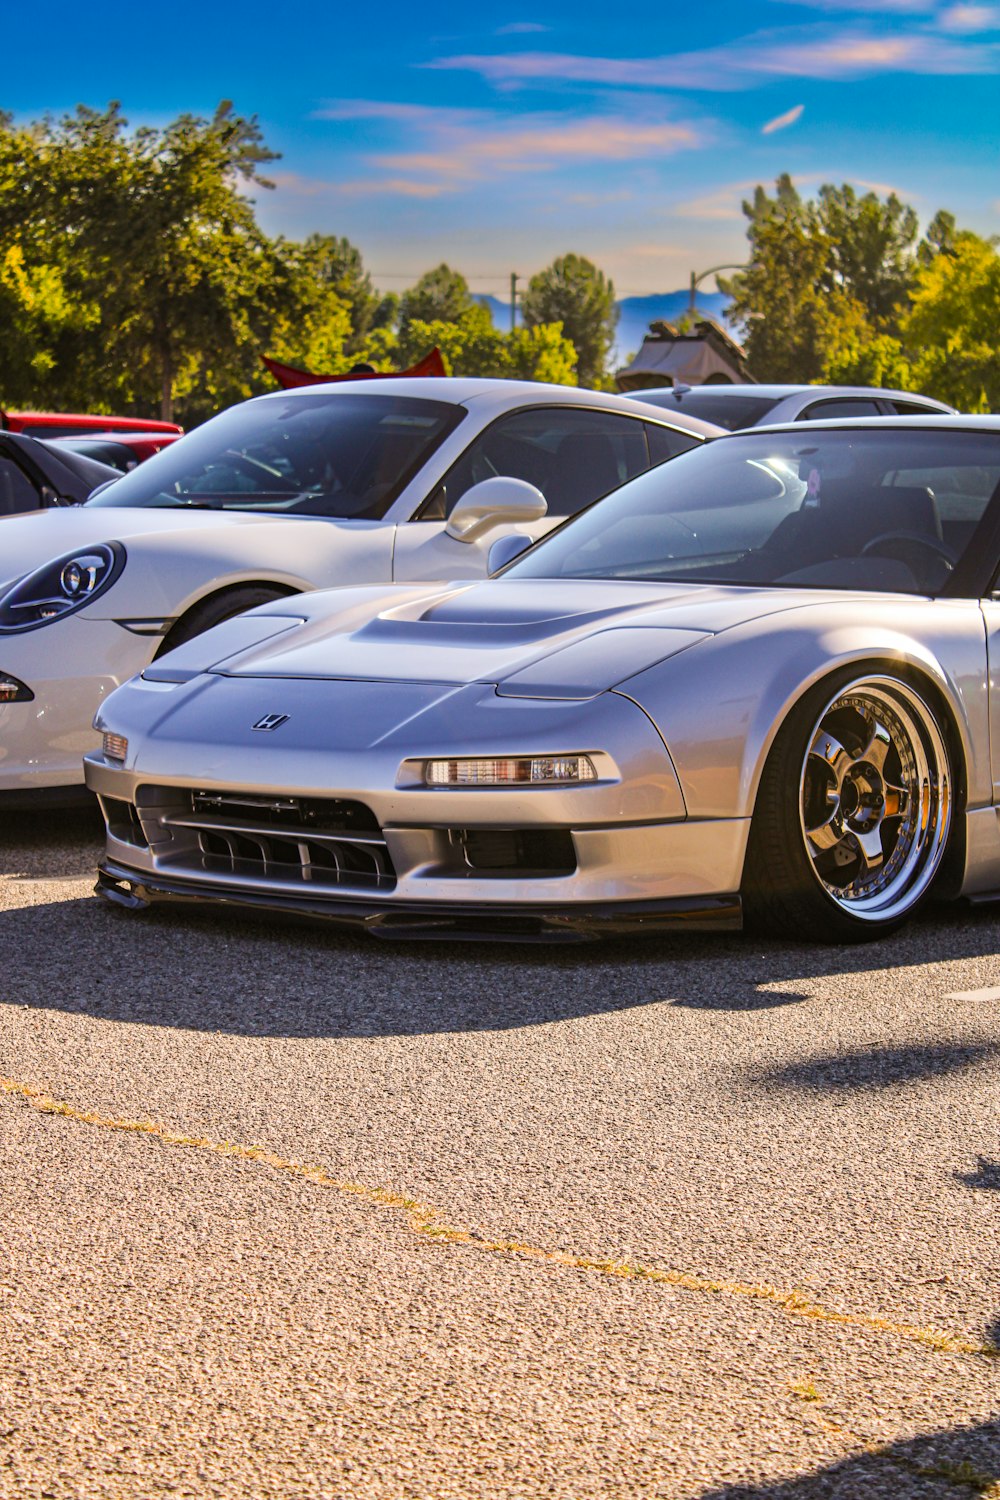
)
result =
(332, 817)
(70, 666)
(497, 922)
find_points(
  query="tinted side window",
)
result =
(667, 442)
(17, 493)
(914, 409)
(849, 406)
(573, 456)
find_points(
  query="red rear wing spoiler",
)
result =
(289, 378)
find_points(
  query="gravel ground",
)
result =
(700, 1220)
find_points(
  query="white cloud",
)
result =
(298, 185)
(969, 18)
(782, 122)
(870, 7)
(520, 28)
(803, 52)
(450, 147)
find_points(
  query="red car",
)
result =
(52, 424)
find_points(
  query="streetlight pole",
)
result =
(697, 277)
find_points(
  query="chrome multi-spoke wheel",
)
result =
(875, 798)
(854, 811)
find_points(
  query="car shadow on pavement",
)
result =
(985, 1177)
(878, 1067)
(957, 1464)
(222, 972)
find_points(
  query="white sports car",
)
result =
(375, 482)
(764, 675)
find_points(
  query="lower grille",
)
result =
(296, 841)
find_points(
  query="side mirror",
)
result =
(505, 549)
(100, 489)
(499, 501)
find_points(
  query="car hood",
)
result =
(534, 638)
(28, 542)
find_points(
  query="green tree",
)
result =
(953, 330)
(472, 346)
(793, 314)
(573, 292)
(868, 359)
(871, 250)
(469, 343)
(156, 228)
(440, 296)
(333, 266)
(939, 239)
(541, 352)
(826, 291)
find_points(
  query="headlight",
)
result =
(511, 770)
(61, 587)
(13, 691)
(115, 746)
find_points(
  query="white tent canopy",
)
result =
(705, 356)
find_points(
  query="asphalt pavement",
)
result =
(289, 1214)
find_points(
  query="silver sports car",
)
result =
(761, 679)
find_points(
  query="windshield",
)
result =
(302, 454)
(713, 404)
(884, 509)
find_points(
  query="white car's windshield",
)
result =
(850, 509)
(301, 454)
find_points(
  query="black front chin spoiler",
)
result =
(429, 920)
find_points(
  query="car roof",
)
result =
(461, 391)
(749, 391)
(932, 422)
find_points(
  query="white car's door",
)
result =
(573, 455)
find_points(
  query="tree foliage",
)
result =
(440, 296)
(953, 329)
(841, 290)
(574, 293)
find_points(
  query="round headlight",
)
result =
(60, 587)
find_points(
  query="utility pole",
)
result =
(514, 279)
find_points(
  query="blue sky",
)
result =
(496, 138)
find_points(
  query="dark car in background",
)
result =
(34, 475)
(739, 406)
(122, 450)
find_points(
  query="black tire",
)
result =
(213, 611)
(853, 813)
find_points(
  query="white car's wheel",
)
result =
(853, 813)
(214, 610)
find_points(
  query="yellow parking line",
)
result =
(429, 1224)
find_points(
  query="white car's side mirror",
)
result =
(505, 549)
(495, 502)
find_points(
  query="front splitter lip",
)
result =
(503, 922)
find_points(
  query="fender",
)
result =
(720, 704)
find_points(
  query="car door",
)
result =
(573, 455)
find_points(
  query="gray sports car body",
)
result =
(758, 678)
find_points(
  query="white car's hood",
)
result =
(539, 638)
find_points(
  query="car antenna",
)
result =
(680, 389)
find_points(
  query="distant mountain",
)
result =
(635, 314)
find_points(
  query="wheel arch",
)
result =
(921, 671)
(918, 667)
(280, 588)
